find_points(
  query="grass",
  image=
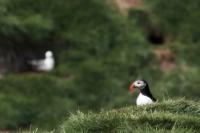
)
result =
(170, 116)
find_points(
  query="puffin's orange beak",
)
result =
(132, 88)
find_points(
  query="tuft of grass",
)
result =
(168, 116)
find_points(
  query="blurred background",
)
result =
(96, 48)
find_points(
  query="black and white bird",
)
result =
(145, 96)
(46, 64)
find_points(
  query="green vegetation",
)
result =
(179, 19)
(32, 102)
(98, 51)
(170, 116)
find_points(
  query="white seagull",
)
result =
(46, 64)
(145, 96)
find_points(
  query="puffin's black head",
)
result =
(140, 84)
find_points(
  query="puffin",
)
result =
(46, 64)
(145, 96)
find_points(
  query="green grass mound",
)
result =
(168, 116)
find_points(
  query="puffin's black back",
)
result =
(146, 91)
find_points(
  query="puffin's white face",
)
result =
(48, 54)
(140, 84)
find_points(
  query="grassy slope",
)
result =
(168, 116)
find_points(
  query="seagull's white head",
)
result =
(48, 54)
(140, 84)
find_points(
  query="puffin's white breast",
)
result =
(142, 100)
